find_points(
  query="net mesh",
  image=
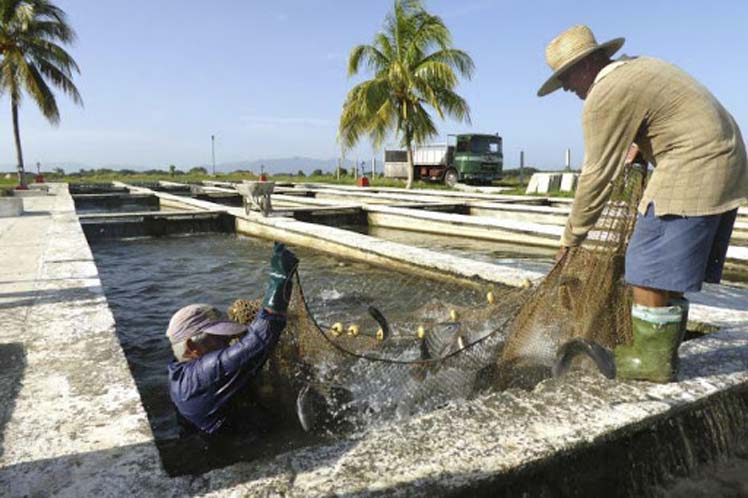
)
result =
(455, 345)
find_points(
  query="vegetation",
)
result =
(415, 67)
(199, 174)
(129, 176)
(31, 35)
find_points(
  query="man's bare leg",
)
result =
(646, 296)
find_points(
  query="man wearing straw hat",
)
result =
(688, 209)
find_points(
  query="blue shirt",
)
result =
(202, 388)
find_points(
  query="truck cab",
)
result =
(477, 158)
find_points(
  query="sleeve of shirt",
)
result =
(610, 122)
(248, 355)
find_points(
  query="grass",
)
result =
(509, 181)
(223, 177)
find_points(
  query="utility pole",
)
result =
(213, 152)
(568, 160)
(522, 168)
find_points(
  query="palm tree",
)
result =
(31, 35)
(414, 66)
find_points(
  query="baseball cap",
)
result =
(201, 318)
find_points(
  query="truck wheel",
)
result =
(450, 178)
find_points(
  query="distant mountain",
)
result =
(281, 165)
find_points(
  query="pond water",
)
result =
(146, 280)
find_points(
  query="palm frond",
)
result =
(436, 74)
(60, 80)
(456, 59)
(454, 105)
(54, 54)
(369, 55)
(8, 80)
(34, 84)
(422, 125)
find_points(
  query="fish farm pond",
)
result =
(146, 279)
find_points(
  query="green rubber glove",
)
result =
(282, 267)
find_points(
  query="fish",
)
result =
(442, 340)
(306, 411)
(323, 406)
(382, 321)
(602, 357)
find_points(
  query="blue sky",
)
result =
(268, 78)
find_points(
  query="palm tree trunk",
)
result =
(409, 148)
(17, 135)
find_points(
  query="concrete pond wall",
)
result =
(72, 424)
(11, 206)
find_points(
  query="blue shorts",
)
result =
(678, 253)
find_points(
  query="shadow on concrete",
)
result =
(12, 367)
(27, 214)
(35, 297)
(197, 454)
(722, 296)
(722, 361)
(134, 470)
(79, 260)
(27, 280)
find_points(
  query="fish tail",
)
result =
(602, 357)
(381, 320)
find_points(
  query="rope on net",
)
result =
(381, 359)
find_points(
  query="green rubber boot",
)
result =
(653, 356)
(685, 306)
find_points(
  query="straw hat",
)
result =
(570, 47)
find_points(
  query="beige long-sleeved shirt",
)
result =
(694, 144)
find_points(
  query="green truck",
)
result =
(474, 158)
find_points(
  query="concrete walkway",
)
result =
(71, 421)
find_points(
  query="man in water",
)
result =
(688, 208)
(216, 359)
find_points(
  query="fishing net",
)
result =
(457, 343)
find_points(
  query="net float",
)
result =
(380, 334)
(337, 329)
